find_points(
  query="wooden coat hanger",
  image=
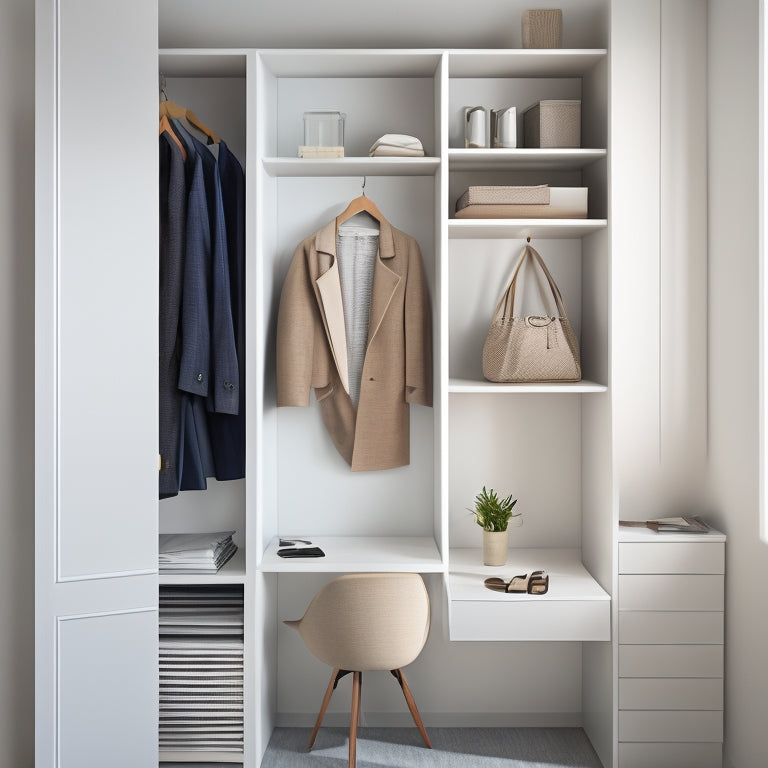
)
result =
(171, 110)
(165, 125)
(359, 205)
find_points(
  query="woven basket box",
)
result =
(553, 123)
(542, 28)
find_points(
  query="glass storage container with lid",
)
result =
(324, 128)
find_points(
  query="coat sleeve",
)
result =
(195, 367)
(418, 333)
(224, 392)
(295, 334)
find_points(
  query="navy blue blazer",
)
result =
(195, 340)
(172, 227)
(224, 384)
(208, 302)
(195, 460)
(228, 431)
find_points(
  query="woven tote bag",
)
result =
(534, 348)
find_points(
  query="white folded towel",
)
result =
(396, 145)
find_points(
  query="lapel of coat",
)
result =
(385, 281)
(328, 291)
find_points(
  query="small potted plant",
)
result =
(493, 515)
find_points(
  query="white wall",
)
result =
(733, 372)
(17, 576)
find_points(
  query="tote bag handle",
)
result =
(506, 305)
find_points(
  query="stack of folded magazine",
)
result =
(195, 552)
(693, 524)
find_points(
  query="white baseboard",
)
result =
(437, 719)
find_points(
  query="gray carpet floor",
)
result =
(452, 748)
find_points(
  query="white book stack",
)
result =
(201, 673)
(195, 552)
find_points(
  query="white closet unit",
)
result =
(553, 446)
(414, 517)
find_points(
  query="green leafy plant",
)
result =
(492, 513)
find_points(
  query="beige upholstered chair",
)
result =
(367, 621)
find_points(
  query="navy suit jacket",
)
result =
(195, 365)
(195, 452)
(172, 230)
(228, 431)
(209, 306)
(224, 384)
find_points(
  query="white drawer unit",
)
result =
(670, 660)
(671, 592)
(638, 754)
(671, 627)
(674, 557)
(670, 693)
(670, 634)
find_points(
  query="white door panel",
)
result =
(104, 691)
(96, 217)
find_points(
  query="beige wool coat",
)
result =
(397, 370)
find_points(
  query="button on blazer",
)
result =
(397, 370)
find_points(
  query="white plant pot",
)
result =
(495, 545)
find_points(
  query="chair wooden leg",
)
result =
(357, 683)
(337, 674)
(400, 677)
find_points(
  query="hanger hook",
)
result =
(162, 87)
(364, 178)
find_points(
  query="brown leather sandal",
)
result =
(517, 584)
(538, 583)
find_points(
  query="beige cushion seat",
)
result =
(363, 622)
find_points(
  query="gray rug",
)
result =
(452, 748)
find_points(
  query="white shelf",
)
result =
(522, 159)
(355, 554)
(351, 63)
(576, 607)
(232, 572)
(561, 62)
(513, 229)
(351, 166)
(472, 386)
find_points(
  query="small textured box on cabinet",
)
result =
(542, 28)
(553, 124)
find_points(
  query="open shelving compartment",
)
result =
(370, 520)
(212, 83)
(544, 443)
